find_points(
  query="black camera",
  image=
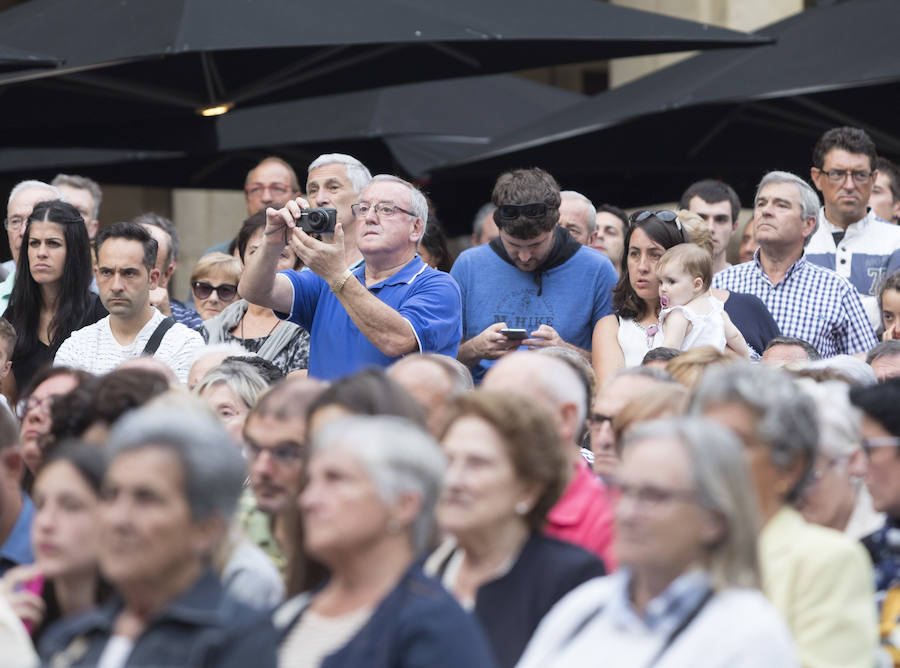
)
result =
(317, 221)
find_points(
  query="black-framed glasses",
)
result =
(382, 210)
(836, 176)
(869, 444)
(202, 290)
(282, 454)
(530, 210)
(664, 215)
(257, 189)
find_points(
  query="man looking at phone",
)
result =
(391, 305)
(534, 276)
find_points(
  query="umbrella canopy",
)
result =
(12, 59)
(136, 60)
(730, 114)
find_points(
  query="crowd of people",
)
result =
(588, 440)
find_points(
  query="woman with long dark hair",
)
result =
(52, 295)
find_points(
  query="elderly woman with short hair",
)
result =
(502, 481)
(820, 580)
(167, 496)
(368, 505)
(231, 390)
(686, 592)
(836, 496)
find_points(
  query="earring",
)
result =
(522, 508)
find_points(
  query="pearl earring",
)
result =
(522, 508)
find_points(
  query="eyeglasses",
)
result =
(836, 176)
(257, 189)
(838, 463)
(14, 223)
(282, 454)
(381, 209)
(201, 290)
(650, 496)
(664, 215)
(24, 406)
(869, 444)
(513, 211)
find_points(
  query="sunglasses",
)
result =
(201, 290)
(513, 211)
(664, 215)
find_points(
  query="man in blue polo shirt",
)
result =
(16, 509)
(391, 305)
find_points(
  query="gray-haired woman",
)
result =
(168, 494)
(368, 512)
(686, 592)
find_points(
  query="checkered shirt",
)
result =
(810, 303)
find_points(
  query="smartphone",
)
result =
(515, 334)
(36, 587)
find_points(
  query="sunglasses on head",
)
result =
(664, 215)
(513, 211)
(202, 290)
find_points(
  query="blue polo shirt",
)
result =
(427, 299)
(16, 551)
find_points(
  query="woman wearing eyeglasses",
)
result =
(256, 327)
(52, 296)
(214, 283)
(622, 339)
(687, 592)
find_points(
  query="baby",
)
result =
(690, 315)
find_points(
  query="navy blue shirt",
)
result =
(426, 298)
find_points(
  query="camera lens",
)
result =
(317, 220)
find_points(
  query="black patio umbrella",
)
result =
(732, 114)
(13, 59)
(140, 62)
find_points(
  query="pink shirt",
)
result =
(584, 516)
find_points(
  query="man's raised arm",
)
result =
(260, 284)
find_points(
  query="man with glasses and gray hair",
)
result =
(807, 301)
(391, 305)
(534, 285)
(85, 195)
(850, 239)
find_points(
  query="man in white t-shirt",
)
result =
(126, 273)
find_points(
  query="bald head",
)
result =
(550, 381)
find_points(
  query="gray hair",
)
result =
(856, 371)
(480, 215)
(82, 183)
(166, 225)
(227, 349)
(589, 208)
(809, 200)
(810, 349)
(31, 183)
(884, 349)
(417, 201)
(785, 418)
(839, 420)
(357, 173)
(243, 380)
(399, 456)
(720, 476)
(459, 374)
(212, 467)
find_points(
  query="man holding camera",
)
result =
(534, 277)
(391, 305)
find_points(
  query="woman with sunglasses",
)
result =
(255, 327)
(214, 283)
(52, 295)
(622, 339)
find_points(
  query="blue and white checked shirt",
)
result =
(810, 303)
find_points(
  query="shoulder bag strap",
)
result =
(157, 336)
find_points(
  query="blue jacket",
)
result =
(417, 625)
(202, 628)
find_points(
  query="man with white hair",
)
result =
(391, 305)
(335, 180)
(807, 301)
(583, 515)
(22, 199)
(578, 215)
(85, 195)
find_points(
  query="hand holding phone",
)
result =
(514, 334)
